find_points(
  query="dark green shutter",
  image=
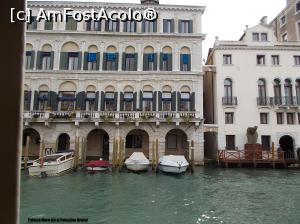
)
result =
(116, 101)
(117, 61)
(155, 26)
(161, 62)
(172, 26)
(191, 26)
(85, 61)
(159, 101)
(190, 63)
(32, 59)
(121, 101)
(134, 101)
(145, 62)
(102, 101)
(64, 61)
(192, 103)
(173, 102)
(53, 101)
(170, 62)
(80, 100)
(79, 60)
(136, 59)
(181, 62)
(143, 26)
(28, 101)
(97, 101)
(179, 26)
(165, 22)
(154, 101)
(178, 100)
(123, 61)
(36, 100)
(141, 100)
(125, 26)
(118, 26)
(51, 59)
(155, 62)
(39, 60)
(98, 61)
(104, 66)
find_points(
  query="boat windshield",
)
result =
(51, 158)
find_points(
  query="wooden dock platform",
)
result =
(240, 158)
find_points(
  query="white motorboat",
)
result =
(137, 162)
(52, 165)
(173, 164)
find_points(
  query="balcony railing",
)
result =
(285, 101)
(264, 101)
(112, 116)
(229, 101)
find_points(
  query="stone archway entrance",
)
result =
(34, 143)
(63, 143)
(137, 141)
(176, 143)
(97, 145)
(287, 145)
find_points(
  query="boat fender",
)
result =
(43, 174)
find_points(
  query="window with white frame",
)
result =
(166, 101)
(130, 26)
(184, 26)
(28, 60)
(255, 36)
(261, 59)
(264, 36)
(91, 101)
(93, 25)
(128, 101)
(109, 101)
(46, 60)
(111, 61)
(275, 59)
(67, 101)
(43, 100)
(147, 101)
(297, 60)
(282, 20)
(184, 101)
(92, 61)
(73, 61)
(227, 59)
(129, 62)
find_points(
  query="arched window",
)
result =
(67, 96)
(298, 91)
(185, 59)
(91, 59)
(129, 98)
(262, 92)
(149, 59)
(45, 58)
(288, 90)
(130, 58)
(166, 61)
(41, 98)
(70, 57)
(277, 91)
(110, 59)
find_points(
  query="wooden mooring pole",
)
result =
(114, 155)
(156, 155)
(273, 155)
(121, 147)
(153, 155)
(26, 152)
(76, 153)
(192, 157)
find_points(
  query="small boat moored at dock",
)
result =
(137, 162)
(97, 165)
(173, 164)
(52, 165)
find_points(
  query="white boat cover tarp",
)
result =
(172, 160)
(137, 158)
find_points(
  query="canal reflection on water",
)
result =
(233, 196)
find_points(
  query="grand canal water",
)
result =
(233, 196)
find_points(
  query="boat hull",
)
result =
(88, 168)
(55, 169)
(137, 167)
(173, 169)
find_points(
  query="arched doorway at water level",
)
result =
(97, 145)
(137, 141)
(176, 143)
(287, 145)
(34, 143)
(63, 143)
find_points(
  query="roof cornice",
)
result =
(275, 47)
(106, 5)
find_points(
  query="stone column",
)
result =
(140, 57)
(120, 56)
(176, 56)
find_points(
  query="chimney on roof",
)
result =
(264, 20)
(150, 2)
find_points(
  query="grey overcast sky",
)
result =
(224, 18)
